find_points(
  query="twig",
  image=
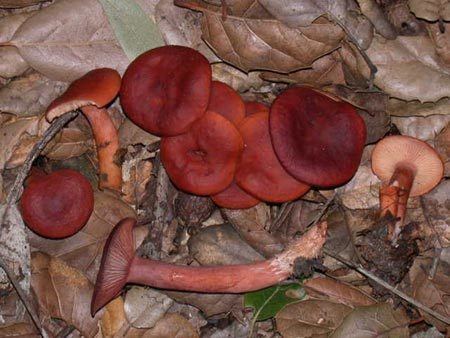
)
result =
(389, 287)
(14, 195)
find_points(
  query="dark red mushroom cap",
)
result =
(227, 102)
(57, 205)
(259, 172)
(318, 139)
(253, 107)
(234, 197)
(166, 89)
(203, 160)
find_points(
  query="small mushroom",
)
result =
(91, 93)
(203, 160)
(233, 197)
(259, 172)
(406, 167)
(57, 205)
(166, 89)
(227, 102)
(318, 139)
(253, 107)
(120, 265)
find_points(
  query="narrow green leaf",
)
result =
(134, 30)
(268, 302)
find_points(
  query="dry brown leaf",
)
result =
(415, 108)
(431, 10)
(137, 170)
(172, 325)
(235, 78)
(131, 134)
(422, 127)
(324, 71)
(70, 142)
(442, 145)
(19, 3)
(10, 23)
(251, 44)
(83, 250)
(144, 307)
(409, 68)
(302, 13)
(65, 52)
(379, 320)
(113, 318)
(441, 40)
(337, 291)
(372, 11)
(19, 330)
(11, 63)
(310, 318)
(252, 225)
(62, 292)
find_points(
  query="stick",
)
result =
(389, 287)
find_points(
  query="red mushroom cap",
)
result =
(57, 205)
(166, 89)
(317, 139)
(234, 197)
(203, 160)
(259, 172)
(227, 102)
(253, 107)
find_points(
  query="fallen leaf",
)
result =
(379, 320)
(250, 43)
(18, 3)
(442, 145)
(374, 12)
(11, 63)
(431, 10)
(84, 249)
(397, 107)
(312, 317)
(62, 292)
(172, 325)
(134, 30)
(268, 302)
(409, 68)
(236, 78)
(252, 225)
(337, 291)
(422, 127)
(29, 95)
(144, 306)
(10, 23)
(70, 142)
(303, 13)
(441, 40)
(113, 318)
(19, 330)
(66, 52)
(131, 134)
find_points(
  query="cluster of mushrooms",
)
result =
(215, 144)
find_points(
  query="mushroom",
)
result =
(233, 197)
(227, 102)
(57, 205)
(253, 107)
(203, 160)
(120, 265)
(406, 167)
(166, 89)
(91, 93)
(317, 138)
(259, 172)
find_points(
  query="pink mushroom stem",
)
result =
(121, 266)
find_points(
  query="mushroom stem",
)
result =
(394, 197)
(120, 266)
(107, 143)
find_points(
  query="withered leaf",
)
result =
(62, 292)
(19, 330)
(337, 291)
(131, 134)
(172, 325)
(374, 321)
(67, 51)
(302, 13)
(422, 127)
(18, 3)
(441, 40)
(250, 43)
(84, 249)
(11, 63)
(397, 107)
(10, 23)
(442, 145)
(70, 142)
(113, 318)
(317, 318)
(236, 78)
(431, 10)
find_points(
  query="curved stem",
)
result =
(107, 142)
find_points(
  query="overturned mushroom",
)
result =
(91, 93)
(121, 266)
(57, 205)
(406, 167)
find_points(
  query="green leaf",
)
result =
(268, 302)
(134, 30)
